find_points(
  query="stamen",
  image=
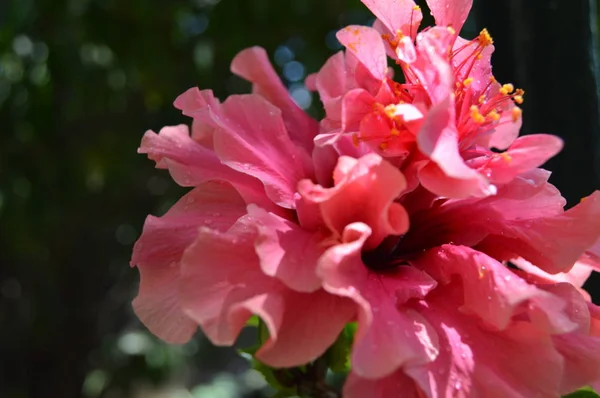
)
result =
(467, 82)
(507, 89)
(518, 99)
(476, 115)
(493, 115)
(485, 38)
(516, 114)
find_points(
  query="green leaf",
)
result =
(253, 321)
(338, 354)
(585, 392)
(263, 332)
(279, 379)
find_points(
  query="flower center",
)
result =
(385, 256)
(479, 108)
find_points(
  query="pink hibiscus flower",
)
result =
(459, 265)
(448, 103)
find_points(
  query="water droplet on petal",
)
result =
(208, 221)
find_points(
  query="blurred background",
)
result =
(80, 82)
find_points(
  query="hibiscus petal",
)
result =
(479, 68)
(356, 104)
(581, 354)
(438, 139)
(367, 45)
(476, 362)
(191, 164)
(365, 191)
(387, 337)
(253, 140)
(576, 276)
(159, 249)
(450, 12)
(491, 290)
(310, 324)
(253, 65)
(221, 288)
(332, 78)
(287, 251)
(525, 153)
(553, 243)
(397, 15)
(390, 386)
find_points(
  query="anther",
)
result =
(493, 115)
(507, 89)
(516, 114)
(476, 115)
(467, 82)
(485, 38)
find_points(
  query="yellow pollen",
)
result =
(484, 38)
(476, 115)
(507, 158)
(383, 146)
(507, 89)
(583, 199)
(416, 8)
(481, 99)
(518, 99)
(516, 114)
(451, 30)
(395, 132)
(492, 79)
(478, 57)
(390, 111)
(355, 139)
(494, 115)
(520, 92)
(467, 82)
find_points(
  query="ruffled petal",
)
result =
(364, 191)
(190, 164)
(448, 175)
(253, 65)
(477, 362)
(390, 386)
(450, 12)
(388, 336)
(286, 251)
(492, 291)
(397, 15)
(221, 288)
(553, 243)
(524, 154)
(158, 252)
(367, 45)
(253, 140)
